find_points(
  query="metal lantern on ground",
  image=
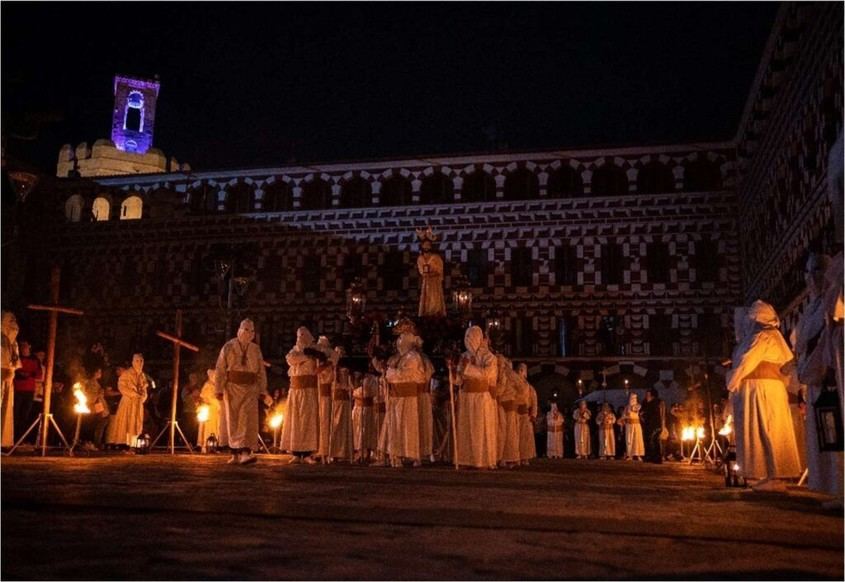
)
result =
(356, 300)
(462, 296)
(829, 421)
(211, 444)
(142, 444)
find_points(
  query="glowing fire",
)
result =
(699, 432)
(725, 430)
(202, 413)
(276, 420)
(688, 433)
(81, 406)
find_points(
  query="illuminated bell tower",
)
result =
(133, 121)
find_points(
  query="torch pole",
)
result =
(454, 431)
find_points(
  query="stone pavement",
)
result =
(194, 517)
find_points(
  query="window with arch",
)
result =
(132, 208)
(655, 178)
(278, 197)
(316, 195)
(521, 184)
(201, 201)
(437, 189)
(396, 191)
(240, 198)
(610, 180)
(564, 182)
(133, 119)
(100, 209)
(73, 208)
(478, 187)
(702, 175)
(356, 193)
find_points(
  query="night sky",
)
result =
(252, 84)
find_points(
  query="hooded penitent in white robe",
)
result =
(364, 415)
(301, 429)
(508, 425)
(824, 468)
(340, 440)
(527, 447)
(424, 408)
(215, 423)
(607, 440)
(325, 381)
(554, 435)
(766, 448)
(634, 446)
(582, 416)
(241, 378)
(11, 361)
(478, 417)
(128, 422)
(405, 374)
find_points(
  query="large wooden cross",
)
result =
(54, 309)
(178, 344)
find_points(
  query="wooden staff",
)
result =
(454, 425)
(178, 344)
(54, 310)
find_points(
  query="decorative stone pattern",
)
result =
(792, 117)
(541, 261)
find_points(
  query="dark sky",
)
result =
(253, 84)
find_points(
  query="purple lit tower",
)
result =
(134, 113)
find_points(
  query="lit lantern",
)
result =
(462, 296)
(626, 387)
(356, 300)
(688, 433)
(81, 406)
(211, 444)
(580, 388)
(829, 421)
(202, 413)
(495, 326)
(142, 444)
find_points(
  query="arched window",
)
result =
(478, 187)
(197, 200)
(437, 189)
(73, 208)
(521, 184)
(565, 182)
(655, 178)
(278, 197)
(100, 209)
(610, 180)
(316, 195)
(132, 208)
(356, 193)
(239, 199)
(133, 119)
(702, 175)
(396, 191)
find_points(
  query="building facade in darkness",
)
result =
(617, 262)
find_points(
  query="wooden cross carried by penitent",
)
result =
(54, 309)
(178, 344)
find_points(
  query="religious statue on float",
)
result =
(430, 267)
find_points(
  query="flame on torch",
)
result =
(81, 406)
(202, 413)
(276, 420)
(688, 433)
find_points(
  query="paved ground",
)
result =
(160, 517)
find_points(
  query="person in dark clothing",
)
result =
(653, 416)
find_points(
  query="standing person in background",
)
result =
(128, 423)
(98, 420)
(582, 416)
(554, 428)
(526, 402)
(301, 428)
(25, 378)
(11, 362)
(654, 426)
(325, 382)
(364, 418)
(634, 447)
(607, 440)
(340, 440)
(212, 426)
